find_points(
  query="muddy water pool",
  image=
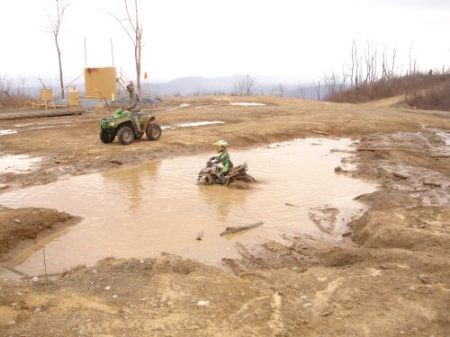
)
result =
(157, 207)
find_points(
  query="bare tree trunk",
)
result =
(61, 80)
(134, 32)
(55, 26)
(138, 46)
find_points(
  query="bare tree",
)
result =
(332, 84)
(318, 91)
(133, 28)
(55, 27)
(300, 91)
(244, 85)
(370, 59)
(355, 67)
(280, 89)
(388, 70)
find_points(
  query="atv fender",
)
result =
(147, 120)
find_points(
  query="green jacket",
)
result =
(224, 158)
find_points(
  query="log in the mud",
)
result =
(232, 229)
(400, 175)
(320, 132)
(362, 149)
(432, 183)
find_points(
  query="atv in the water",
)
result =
(122, 125)
(210, 174)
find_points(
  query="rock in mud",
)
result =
(203, 303)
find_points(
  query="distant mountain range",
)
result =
(197, 85)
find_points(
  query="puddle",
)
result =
(4, 132)
(20, 163)
(190, 124)
(145, 210)
(247, 104)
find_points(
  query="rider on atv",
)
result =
(133, 104)
(223, 158)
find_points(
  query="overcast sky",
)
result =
(293, 39)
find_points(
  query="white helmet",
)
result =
(221, 144)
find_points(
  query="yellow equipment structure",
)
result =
(74, 98)
(46, 100)
(100, 83)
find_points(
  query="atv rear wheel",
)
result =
(125, 135)
(107, 137)
(153, 131)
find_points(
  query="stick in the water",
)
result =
(231, 229)
(199, 236)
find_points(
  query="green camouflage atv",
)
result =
(122, 125)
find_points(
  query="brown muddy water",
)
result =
(157, 207)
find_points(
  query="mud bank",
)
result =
(19, 228)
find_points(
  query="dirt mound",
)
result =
(25, 224)
(170, 296)
(416, 228)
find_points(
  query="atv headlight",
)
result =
(112, 124)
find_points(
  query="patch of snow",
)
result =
(7, 132)
(190, 124)
(17, 163)
(203, 303)
(201, 123)
(184, 105)
(246, 104)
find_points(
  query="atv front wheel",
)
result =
(107, 137)
(125, 135)
(209, 180)
(153, 131)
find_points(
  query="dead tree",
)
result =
(55, 27)
(332, 84)
(355, 67)
(244, 85)
(370, 59)
(388, 70)
(318, 89)
(280, 89)
(300, 91)
(133, 28)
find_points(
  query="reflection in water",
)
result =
(222, 199)
(144, 210)
(131, 184)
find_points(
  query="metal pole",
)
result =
(45, 265)
(85, 53)
(112, 52)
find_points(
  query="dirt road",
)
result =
(391, 279)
